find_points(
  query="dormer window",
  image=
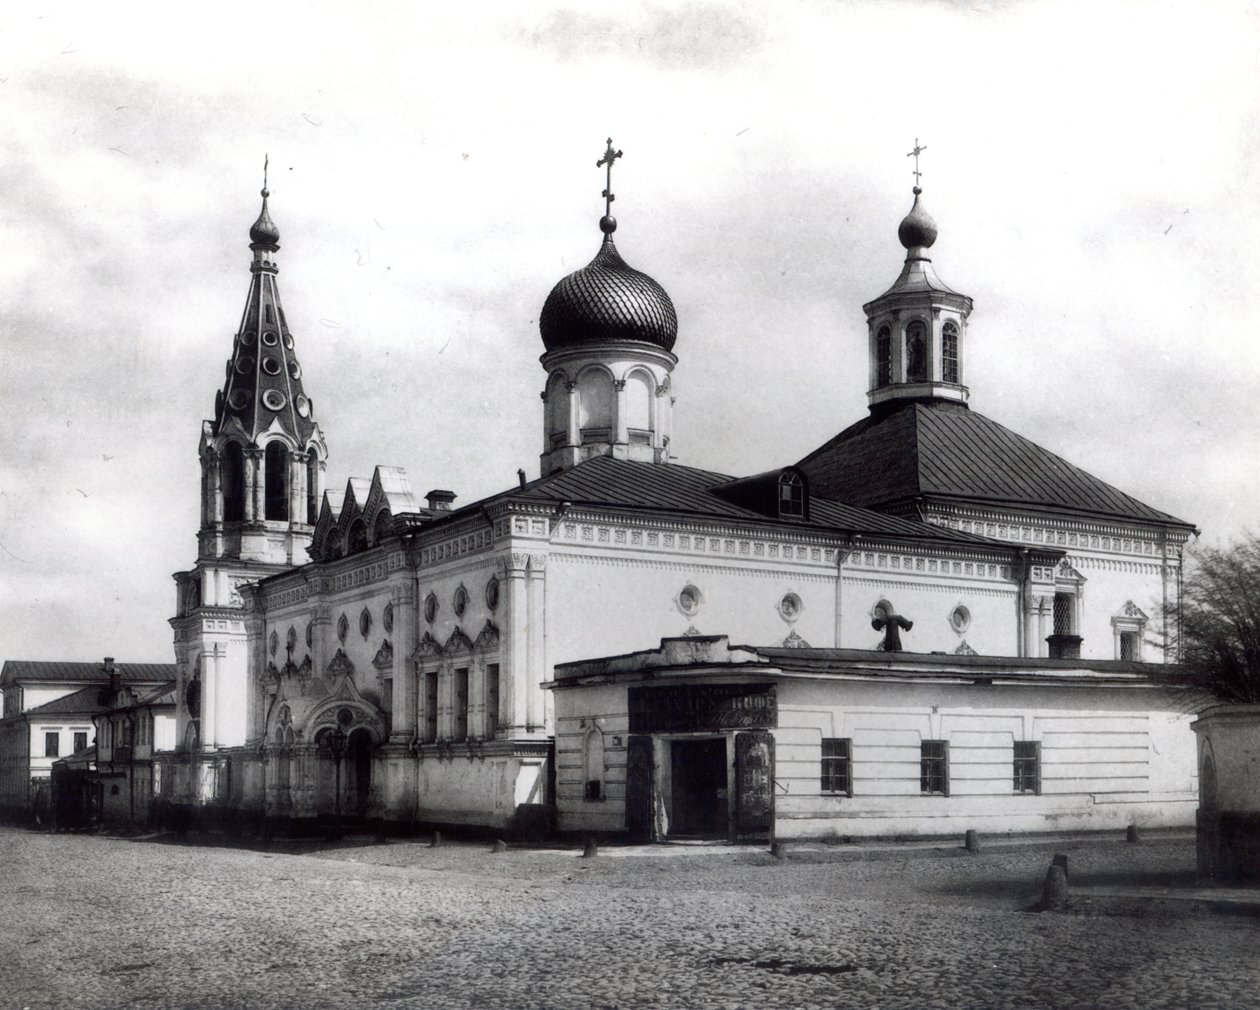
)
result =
(792, 495)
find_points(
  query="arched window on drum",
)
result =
(639, 388)
(595, 405)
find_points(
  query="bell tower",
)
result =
(262, 474)
(918, 327)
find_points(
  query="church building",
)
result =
(927, 622)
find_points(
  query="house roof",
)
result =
(946, 451)
(55, 671)
(627, 485)
(85, 701)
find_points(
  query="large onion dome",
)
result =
(607, 300)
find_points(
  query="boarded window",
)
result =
(460, 704)
(431, 706)
(492, 700)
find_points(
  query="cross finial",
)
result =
(266, 161)
(915, 154)
(607, 160)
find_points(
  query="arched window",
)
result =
(356, 538)
(883, 357)
(233, 483)
(916, 352)
(312, 487)
(791, 495)
(949, 352)
(595, 404)
(382, 527)
(332, 545)
(639, 407)
(557, 410)
(276, 461)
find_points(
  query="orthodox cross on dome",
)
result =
(266, 161)
(915, 155)
(891, 625)
(607, 160)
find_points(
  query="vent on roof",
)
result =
(439, 500)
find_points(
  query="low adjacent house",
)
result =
(48, 714)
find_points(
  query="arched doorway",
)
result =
(358, 772)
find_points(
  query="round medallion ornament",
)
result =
(492, 594)
(365, 622)
(430, 607)
(460, 602)
(273, 399)
(343, 628)
(295, 370)
(303, 406)
(273, 643)
(689, 600)
(310, 635)
(344, 717)
(387, 618)
(960, 619)
(790, 607)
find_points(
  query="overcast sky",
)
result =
(1090, 168)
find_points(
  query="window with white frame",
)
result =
(1128, 627)
(1027, 767)
(934, 768)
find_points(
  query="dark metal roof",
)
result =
(16, 670)
(607, 300)
(627, 485)
(945, 451)
(85, 701)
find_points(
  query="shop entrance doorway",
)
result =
(698, 789)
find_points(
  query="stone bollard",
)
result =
(499, 845)
(1061, 860)
(590, 849)
(437, 840)
(1131, 834)
(1054, 892)
(972, 841)
(778, 850)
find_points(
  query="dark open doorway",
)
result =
(698, 797)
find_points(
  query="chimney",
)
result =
(439, 500)
(115, 678)
(520, 476)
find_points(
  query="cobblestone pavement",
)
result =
(96, 922)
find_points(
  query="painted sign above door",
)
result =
(689, 708)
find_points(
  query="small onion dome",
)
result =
(917, 228)
(607, 300)
(264, 231)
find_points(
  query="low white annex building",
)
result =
(362, 654)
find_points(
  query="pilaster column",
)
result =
(253, 456)
(407, 637)
(621, 429)
(214, 471)
(210, 697)
(297, 489)
(535, 719)
(513, 643)
(575, 430)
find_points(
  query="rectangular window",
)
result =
(80, 742)
(837, 767)
(934, 767)
(492, 700)
(52, 745)
(1027, 766)
(430, 706)
(1063, 624)
(460, 704)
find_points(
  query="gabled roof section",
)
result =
(941, 451)
(630, 486)
(34, 671)
(85, 701)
